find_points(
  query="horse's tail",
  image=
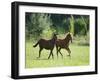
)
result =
(36, 44)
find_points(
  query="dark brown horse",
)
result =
(63, 44)
(46, 44)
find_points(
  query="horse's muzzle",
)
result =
(71, 41)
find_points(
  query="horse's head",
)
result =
(55, 36)
(69, 37)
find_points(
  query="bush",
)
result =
(80, 27)
(82, 40)
(47, 33)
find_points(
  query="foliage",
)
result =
(81, 26)
(38, 25)
(44, 25)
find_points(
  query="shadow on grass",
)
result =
(42, 59)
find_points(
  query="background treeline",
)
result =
(44, 25)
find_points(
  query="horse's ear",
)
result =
(71, 35)
(68, 33)
(55, 34)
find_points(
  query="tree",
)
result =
(85, 24)
(36, 24)
(72, 24)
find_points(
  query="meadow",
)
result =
(79, 57)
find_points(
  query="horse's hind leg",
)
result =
(52, 55)
(40, 52)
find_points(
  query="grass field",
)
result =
(79, 57)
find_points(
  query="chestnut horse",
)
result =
(64, 44)
(47, 44)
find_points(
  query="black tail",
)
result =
(36, 44)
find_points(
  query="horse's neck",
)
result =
(52, 40)
(67, 40)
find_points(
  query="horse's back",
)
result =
(47, 44)
(43, 40)
(61, 43)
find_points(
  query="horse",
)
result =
(64, 44)
(46, 44)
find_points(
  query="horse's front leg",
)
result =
(51, 53)
(68, 51)
(57, 50)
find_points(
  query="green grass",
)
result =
(79, 57)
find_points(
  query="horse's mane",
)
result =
(69, 33)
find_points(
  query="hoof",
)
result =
(38, 57)
(48, 58)
(68, 55)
